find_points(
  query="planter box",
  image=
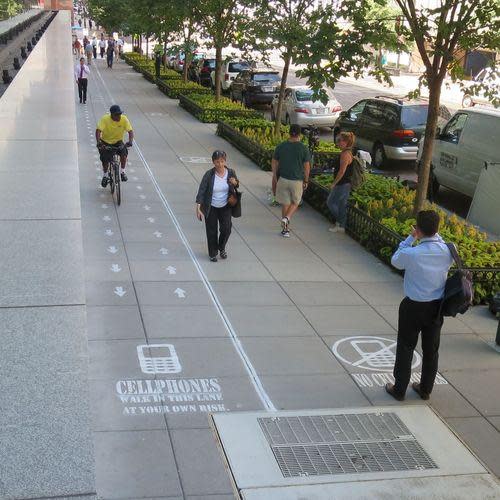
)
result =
(383, 242)
(259, 154)
(171, 90)
(214, 115)
(251, 149)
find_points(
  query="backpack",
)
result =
(357, 173)
(458, 292)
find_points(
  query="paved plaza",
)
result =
(303, 323)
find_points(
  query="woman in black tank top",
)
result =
(341, 187)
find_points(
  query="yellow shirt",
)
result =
(111, 131)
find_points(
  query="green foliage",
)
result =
(175, 88)
(390, 203)
(9, 8)
(208, 110)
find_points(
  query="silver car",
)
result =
(299, 108)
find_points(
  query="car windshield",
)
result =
(266, 77)
(304, 95)
(414, 116)
(237, 67)
(210, 63)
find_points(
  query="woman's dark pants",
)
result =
(218, 225)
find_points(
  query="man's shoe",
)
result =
(104, 181)
(223, 254)
(284, 223)
(123, 177)
(336, 229)
(389, 388)
(423, 395)
(213, 259)
(285, 233)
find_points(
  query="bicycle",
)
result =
(114, 174)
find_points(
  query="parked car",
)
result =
(486, 76)
(253, 86)
(461, 148)
(229, 71)
(388, 127)
(205, 68)
(178, 62)
(299, 108)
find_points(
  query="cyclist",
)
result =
(109, 132)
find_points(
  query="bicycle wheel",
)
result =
(111, 178)
(118, 191)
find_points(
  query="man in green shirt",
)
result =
(291, 165)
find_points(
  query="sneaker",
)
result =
(213, 259)
(223, 254)
(123, 177)
(104, 181)
(284, 223)
(336, 229)
(285, 233)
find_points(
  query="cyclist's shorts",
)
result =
(107, 156)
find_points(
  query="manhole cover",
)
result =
(403, 452)
(343, 444)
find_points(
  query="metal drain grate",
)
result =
(343, 444)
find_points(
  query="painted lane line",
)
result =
(106, 218)
(112, 249)
(147, 208)
(142, 197)
(254, 377)
(151, 219)
(158, 234)
(104, 205)
(139, 188)
(109, 232)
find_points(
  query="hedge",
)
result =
(147, 67)
(175, 88)
(208, 110)
(380, 216)
(254, 137)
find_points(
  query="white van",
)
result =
(469, 139)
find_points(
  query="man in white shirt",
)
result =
(102, 46)
(426, 268)
(120, 43)
(94, 46)
(82, 73)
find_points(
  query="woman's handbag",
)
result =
(234, 201)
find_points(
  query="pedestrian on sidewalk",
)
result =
(216, 186)
(110, 51)
(102, 46)
(77, 48)
(90, 24)
(341, 187)
(426, 269)
(94, 46)
(89, 50)
(291, 165)
(82, 73)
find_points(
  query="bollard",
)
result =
(16, 63)
(23, 53)
(33, 41)
(29, 47)
(6, 77)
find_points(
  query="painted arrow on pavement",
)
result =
(158, 234)
(109, 232)
(147, 208)
(112, 249)
(180, 293)
(120, 291)
(104, 205)
(142, 196)
(150, 219)
(139, 188)
(115, 268)
(106, 218)
(171, 270)
(164, 251)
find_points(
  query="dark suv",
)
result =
(387, 127)
(254, 86)
(199, 71)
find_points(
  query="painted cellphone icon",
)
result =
(158, 358)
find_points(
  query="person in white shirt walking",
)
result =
(426, 268)
(82, 73)
(102, 46)
(94, 47)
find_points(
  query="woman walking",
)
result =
(341, 187)
(217, 185)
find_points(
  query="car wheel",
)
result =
(378, 156)
(467, 101)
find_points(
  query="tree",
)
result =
(440, 34)
(328, 42)
(9, 8)
(221, 21)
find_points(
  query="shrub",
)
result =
(391, 204)
(175, 88)
(208, 110)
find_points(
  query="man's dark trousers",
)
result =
(220, 217)
(414, 318)
(82, 89)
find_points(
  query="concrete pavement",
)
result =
(272, 327)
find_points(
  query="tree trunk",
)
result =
(430, 134)
(218, 66)
(147, 46)
(284, 76)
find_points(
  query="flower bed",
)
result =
(380, 216)
(208, 110)
(147, 67)
(175, 88)
(255, 138)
